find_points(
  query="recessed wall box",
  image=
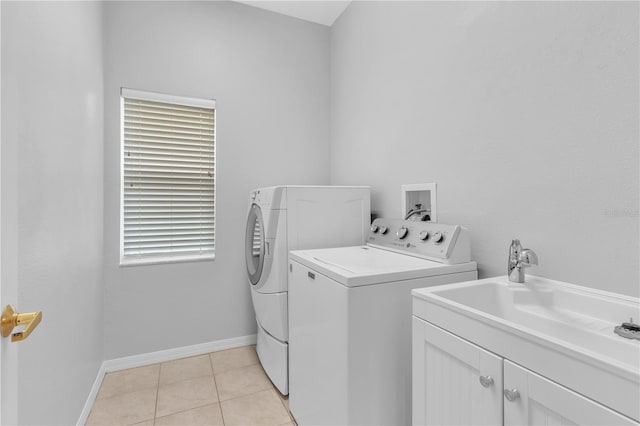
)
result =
(419, 202)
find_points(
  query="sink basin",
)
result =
(558, 329)
(572, 315)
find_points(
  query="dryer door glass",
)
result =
(254, 244)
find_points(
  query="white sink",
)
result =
(533, 321)
(573, 315)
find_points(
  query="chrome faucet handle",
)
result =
(514, 251)
(519, 259)
(527, 257)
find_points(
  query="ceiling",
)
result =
(318, 11)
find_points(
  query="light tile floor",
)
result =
(221, 388)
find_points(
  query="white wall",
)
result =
(270, 77)
(524, 113)
(52, 92)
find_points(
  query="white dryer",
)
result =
(283, 218)
(350, 320)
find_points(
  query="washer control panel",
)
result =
(429, 240)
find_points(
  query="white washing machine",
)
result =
(284, 218)
(350, 320)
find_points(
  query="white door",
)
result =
(8, 272)
(454, 381)
(531, 399)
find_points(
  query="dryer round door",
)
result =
(254, 244)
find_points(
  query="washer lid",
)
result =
(365, 265)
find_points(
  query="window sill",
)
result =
(160, 260)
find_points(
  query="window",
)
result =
(168, 178)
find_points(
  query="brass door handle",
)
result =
(12, 319)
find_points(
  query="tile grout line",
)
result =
(281, 398)
(188, 409)
(246, 394)
(98, 398)
(219, 401)
(291, 420)
(272, 387)
(185, 380)
(215, 383)
(157, 393)
(123, 393)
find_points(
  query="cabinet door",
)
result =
(447, 388)
(539, 401)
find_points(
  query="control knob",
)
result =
(383, 229)
(438, 237)
(374, 228)
(402, 232)
(424, 235)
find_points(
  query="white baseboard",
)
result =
(141, 360)
(176, 353)
(84, 415)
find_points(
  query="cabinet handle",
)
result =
(486, 381)
(511, 394)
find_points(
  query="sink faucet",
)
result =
(519, 259)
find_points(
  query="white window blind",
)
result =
(168, 178)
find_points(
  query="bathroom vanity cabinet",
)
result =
(458, 382)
